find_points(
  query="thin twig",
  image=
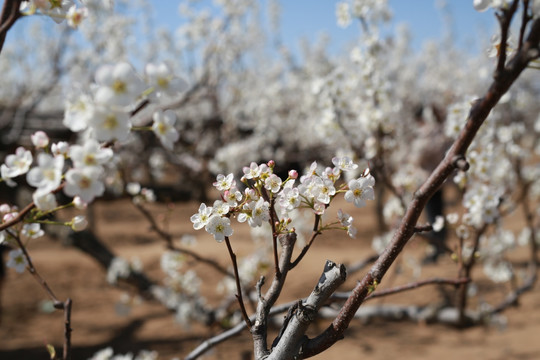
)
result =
(310, 242)
(238, 285)
(20, 216)
(67, 329)
(169, 240)
(504, 18)
(64, 306)
(525, 18)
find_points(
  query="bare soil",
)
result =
(25, 328)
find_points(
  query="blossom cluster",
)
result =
(104, 112)
(58, 10)
(268, 198)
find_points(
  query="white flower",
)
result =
(109, 124)
(160, 77)
(360, 190)
(220, 208)
(48, 174)
(44, 201)
(39, 139)
(17, 260)
(78, 113)
(438, 224)
(325, 191)
(260, 213)
(89, 154)
(252, 171)
(224, 183)
(344, 218)
(164, 129)
(104, 354)
(75, 16)
(118, 85)
(452, 218)
(273, 183)
(56, 9)
(79, 223)
(85, 183)
(232, 196)
(289, 199)
(118, 269)
(133, 188)
(31, 231)
(344, 163)
(16, 164)
(200, 219)
(482, 5)
(219, 227)
(343, 14)
(60, 148)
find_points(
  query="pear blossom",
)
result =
(232, 196)
(273, 183)
(89, 154)
(344, 163)
(289, 199)
(219, 227)
(260, 213)
(438, 224)
(17, 260)
(252, 171)
(201, 219)
(220, 208)
(164, 129)
(133, 188)
(75, 16)
(16, 164)
(60, 148)
(325, 191)
(31, 231)
(161, 78)
(223, 182)
(117, 85)
(78, 113)
(360, 190)
(48, 174)
(344, 218)
(343, 14)
(109, 124)
(44, 201)
(84, 182)
(55, 9)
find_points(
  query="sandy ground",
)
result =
(25, 328)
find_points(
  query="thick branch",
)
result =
(479, 112)
(259, 329)
(292, 337)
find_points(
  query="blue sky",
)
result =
(308, 18)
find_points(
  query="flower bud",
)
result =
(40, 139)
(79, 203)
(293, 174)
(271, 164)
(79, 223)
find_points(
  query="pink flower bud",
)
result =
(271, 164)
(293, 174)
(40, 139)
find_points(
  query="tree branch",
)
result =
(478, 113)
